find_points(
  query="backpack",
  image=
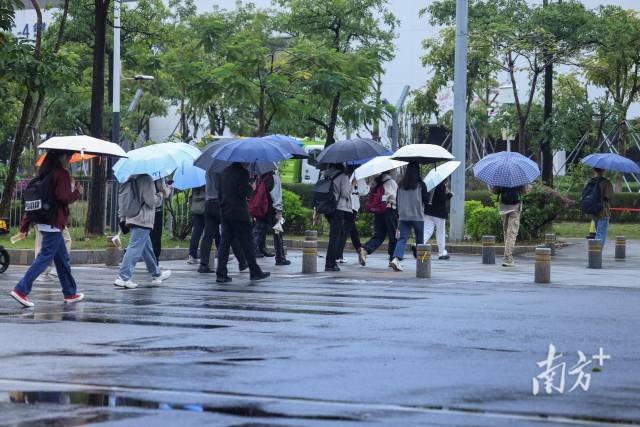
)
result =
(39, 201)
(510, 196)
(374, 204)
(259, 201)
(591, 200)
(198, 201)
(324, 199)
(129, 202)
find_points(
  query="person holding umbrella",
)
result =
(604, 190)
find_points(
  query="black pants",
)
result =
(241, 232)
(212, 233)
(260, 230)
(337, 230)
(351, 230)
(156, 233)
(384, 225)
(197, 228)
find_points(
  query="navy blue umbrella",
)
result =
(506, 169)
(612, 162)
(351, 150)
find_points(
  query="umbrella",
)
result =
(77, 157)
(262, 168)
(205, 161)
(422, 153)
(376, 166)
(612, 162)
(351, 150)
(255, 150)
(440, 173)
(83, 144)
(157, 160)
(506, 169)
(188, 176)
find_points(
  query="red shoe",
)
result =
(74, 298)
(22, 299)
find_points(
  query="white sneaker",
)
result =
(43, 278)
(53, 273)
(395, 264)
(342, 260)
(164, 275)
(127, 284)
(362, 256)
(192, 260)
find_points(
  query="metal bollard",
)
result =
(550, 242)
(309, 257)
(543, 265)
(595, 253)
(488, 249)
(310, 235)
(423, 261)
(111, 253)
(621, 247)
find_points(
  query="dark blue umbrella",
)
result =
(206, 160)
(351, 150)
(506, 169)
(612, 162)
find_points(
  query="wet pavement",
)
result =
(366, 346)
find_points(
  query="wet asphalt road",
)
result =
(365, 346)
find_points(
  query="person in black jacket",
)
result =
(436, 212)
(236, 222)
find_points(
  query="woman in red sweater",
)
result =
(65, 192)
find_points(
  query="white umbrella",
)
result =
(83, 144)
(376, 166)
(440, 173)
(422, 153)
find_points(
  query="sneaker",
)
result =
(395, 264)
(127, 284)
(205, 269)
(22, 299)
(192, 260)
(223, 279)
(164, 275)
(243, 267)
(342, 261)
(508, 264)
(285, 262)
(53, 273)
(332, 268)
(444, 257)
(43, 278)
(74, 298)
(362, 256)
(260, 276)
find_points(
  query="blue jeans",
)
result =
(405, 228)
(53, 249)
(602, 225)
(139, 246)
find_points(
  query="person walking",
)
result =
(163, 186)
(359, 188)
(336, 219)
(236, 222)
(510, 209)
(382, 197)
(140, 226)
(62, 192)
(50, 273)
(436, 212)
(605, 189)
(411, 198)
(197, 223)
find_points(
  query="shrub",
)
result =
(303, 191)
(483, 196)
(297, 217)
(481, 220)
(365, 223)
(540, 208)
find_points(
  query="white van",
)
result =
(309, 173)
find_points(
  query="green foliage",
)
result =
(540, 208)
(303, 191)
(364, 223)
(297, 217)
(481, 221)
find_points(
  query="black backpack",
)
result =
(510, 196)
(591, 200)
(39, 202)
(324, 199)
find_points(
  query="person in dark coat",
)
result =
(436, 212)
(236, 222)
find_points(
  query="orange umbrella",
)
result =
(75, 158)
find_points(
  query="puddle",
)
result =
(185, 351)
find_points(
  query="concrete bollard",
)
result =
(423, 261)
(309, 257)
(111, 253)
(488, 249)
(595, 253)
(550, 242)
(543, 265)
(311, 235)
(621, 247)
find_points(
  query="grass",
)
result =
(581, 229)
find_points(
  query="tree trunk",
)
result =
(546, 152)
(331, 130)
(96, 200)
(261, 114)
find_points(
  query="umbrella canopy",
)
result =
(612, 162)
(84, 144)
(377, 166)
(440, 173)
(256, 150)
(422, 153)
(206, 161)
(188, 176)
(506, 169)
(262, 168)
(157, 160)
(285, 140)
(75, 158)
(351, 150)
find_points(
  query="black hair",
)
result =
(52, 161)
(411, 178)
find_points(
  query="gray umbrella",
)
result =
(351, 150)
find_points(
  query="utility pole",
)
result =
(115, 115)
(456, 230)
(546, 154)
(395, 118)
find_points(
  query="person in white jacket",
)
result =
(359, 188)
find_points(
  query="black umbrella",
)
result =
(351, 150)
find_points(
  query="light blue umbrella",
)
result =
(188, 176)
(157, 160)
(612, 162)
(506, 169)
